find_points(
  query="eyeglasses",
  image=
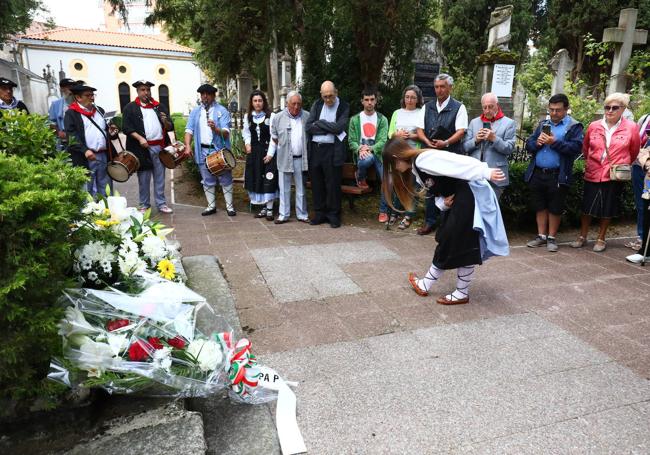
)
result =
(556, 111)
(328, 96)
(612, 108)
(407, 97)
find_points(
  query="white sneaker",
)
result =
(637, 258)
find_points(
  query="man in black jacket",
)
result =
(326, 129)
(145, 122)
(88, 136)
(7, 99)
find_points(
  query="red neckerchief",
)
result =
(499, 115)
(83, 111)
(152, 103)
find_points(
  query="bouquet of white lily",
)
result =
(149, 343)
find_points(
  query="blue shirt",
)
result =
(547, 157)
(221, 118)
(57, 112)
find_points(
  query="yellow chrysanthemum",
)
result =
(107, 212)
(101, 223)
(167, 269)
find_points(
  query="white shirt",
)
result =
(609, 132)
(95, 139)
(296, 136)
(368, 124)
(152, 128)
(409, 121)
(461, 116)
(206, 131)
(329, 114)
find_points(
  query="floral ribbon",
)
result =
(243, 372)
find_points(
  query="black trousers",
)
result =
(325, 183)
(646, 226)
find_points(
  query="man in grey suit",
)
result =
(491, 138)
(289, 145)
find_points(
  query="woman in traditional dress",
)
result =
(471, 230)
(260, 179)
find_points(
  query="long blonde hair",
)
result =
(399, 182)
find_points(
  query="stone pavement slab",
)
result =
(515, 384)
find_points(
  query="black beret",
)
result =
(5, 81)
(66, 81)
(80, 88)
(137, 84)
(206, 88)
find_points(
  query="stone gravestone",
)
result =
(244, 89)
(560, 64)
(285, 80)
(427, 59)
(624, 37)
(499, 34)
(497, 77)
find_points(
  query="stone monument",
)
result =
(499, 34)
(624, 37)
(428, 59)
(560, 64)
(285, 79)
(496, 70)
(244, 89)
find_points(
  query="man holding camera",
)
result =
(491, 138)
(554, 146)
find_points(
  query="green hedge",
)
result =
(515, 201)
(26, 135)
(38, 201)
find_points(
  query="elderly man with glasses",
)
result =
(326, 128)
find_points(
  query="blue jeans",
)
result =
(144, 181)
(431, 211)
(637, 188)
(362, 171)
(99, 178)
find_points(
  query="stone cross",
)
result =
(560, 64)
(624, 37)
(499, 34)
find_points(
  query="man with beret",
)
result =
(91, 147)
(7, 99)
(58, 109)
(209, 125)
(145, 122)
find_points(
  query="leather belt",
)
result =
(548, 170)
(323, 144)
(206, 146)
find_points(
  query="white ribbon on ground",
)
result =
(291, 441)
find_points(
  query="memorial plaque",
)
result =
(502, 79)
(425, 75)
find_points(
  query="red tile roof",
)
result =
(102, 38)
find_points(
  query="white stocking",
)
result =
(227, 195)
(463, 280)
(210, 196)
(431, 277)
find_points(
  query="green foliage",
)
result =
(465, 88)
(516, 200)
(536, 79)
(38, 200)
(26, 135)
(180, 122)
(16, 16)
(465, 30)
(584, 108)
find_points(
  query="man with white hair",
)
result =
(289, 145)
(326, 127)
(445, 122)
(491, 138)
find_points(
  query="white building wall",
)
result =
(101, 70)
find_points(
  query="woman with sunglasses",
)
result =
(610, 141)
(471, 229)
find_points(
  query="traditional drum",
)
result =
(121, 168)
(172, 155)
(220, 161)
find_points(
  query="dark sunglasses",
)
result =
(612, 108)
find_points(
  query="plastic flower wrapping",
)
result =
(164, 341)
(118, 243)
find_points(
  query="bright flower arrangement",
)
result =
(118, 243)
(149, 343)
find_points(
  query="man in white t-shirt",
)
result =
(367, 134)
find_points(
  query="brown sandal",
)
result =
(405, 223)
(414, 284)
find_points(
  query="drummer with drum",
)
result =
(209, 125)
(88, 135)
(146, 123)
